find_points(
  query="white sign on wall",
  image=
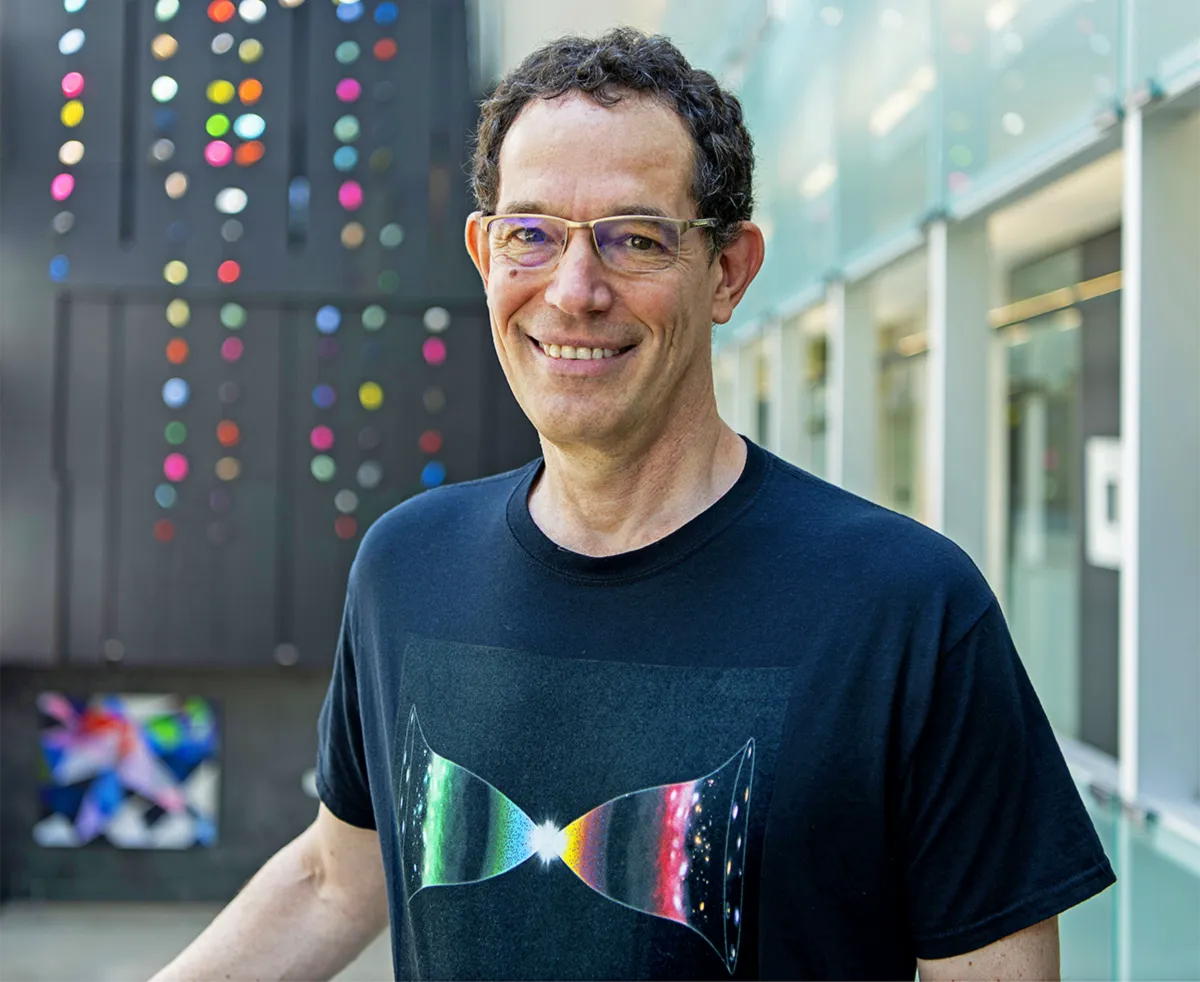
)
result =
(1102, 501)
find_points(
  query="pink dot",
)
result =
(231, 349)
(72, 85)
(958, 182)
(218, 153)
(434, 350)
(175, 467)
(61, 187)
(321, 438)
(348, 89)
(350, 195)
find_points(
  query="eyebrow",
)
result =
(539, 208)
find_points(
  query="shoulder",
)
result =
(439, 521)
(867, 557)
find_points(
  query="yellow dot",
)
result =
(250, 50)
(220, 92)
(353, 235)
(179, 312)
(370, 395)
(163, 47)
(228, 468)
(72, 113)
(175, 272)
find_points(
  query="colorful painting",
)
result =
(136, 771)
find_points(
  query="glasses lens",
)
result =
(526, 241)
(638, 245)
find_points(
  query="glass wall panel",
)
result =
(1020, 77)
(885, 112)
(796, 155)
(814, 326)
(1045, 519)
(1165, 35)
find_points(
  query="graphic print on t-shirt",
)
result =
(545, 812)
(675, 851)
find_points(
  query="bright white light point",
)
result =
(548, 841)
(1013, 124)
(683, 868)
(735, 810)
(695, 796)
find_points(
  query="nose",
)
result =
(578, 283)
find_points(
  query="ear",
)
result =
(735, 269)
(476, 242)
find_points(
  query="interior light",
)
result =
(164, 10)
(388, 281)
(220, 91)
(164, 530)
(176, 184)
(250, 50)
(250, 153)
(70, 153)
(72, 85)
(72, 41)
(72, 114)
(370, 394)
(436, 320)
(290, 4)
(62, 186)
(165, 495)
(345, 501)
(163, 47)
(252, 11)
(218, 153)
(433, 474)
(430, 441)
(350, 195)
(348, 90)
(345, 159)
(324, 396)
(231, 201)
(175, 433)
(164, 88)
(434, 399)
(249, 126)
(74, 6)
(221, 11)
(250, 90)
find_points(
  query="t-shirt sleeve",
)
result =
(342, 781)
(995, 835)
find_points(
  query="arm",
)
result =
(1028, 954)
(305, 915)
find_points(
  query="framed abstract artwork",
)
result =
(135, 771)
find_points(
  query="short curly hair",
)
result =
(605, 68)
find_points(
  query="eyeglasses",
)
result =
(629, 243)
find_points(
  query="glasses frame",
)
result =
(682, 225)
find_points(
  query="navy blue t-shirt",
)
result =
(790, 739)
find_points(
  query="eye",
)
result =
(529, 236)
(641, 243)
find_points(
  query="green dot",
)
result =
(217, 125)
(347, 52)
(176, 433)
(374, 317)
(389, 281)
(961, 156)
(233, 315)
(346, 128)
(323, 467)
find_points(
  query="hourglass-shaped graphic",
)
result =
(676, 851)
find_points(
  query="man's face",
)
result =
(574, 159)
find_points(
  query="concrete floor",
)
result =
(62, 942)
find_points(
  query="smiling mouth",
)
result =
(571, 352)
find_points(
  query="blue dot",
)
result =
(299, 192)
(165, 495)
(348, 13)
(177, 231)
(329, 319)
(324, 396)
(386, 13)
(433, 474)
(346, 158)
(164, 120)
(175, 393)
(60, 266)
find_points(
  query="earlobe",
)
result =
(473, 234)
(738, 264)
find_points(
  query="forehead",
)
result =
(582, 160)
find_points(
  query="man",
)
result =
(658, 705)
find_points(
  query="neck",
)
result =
(605, 501)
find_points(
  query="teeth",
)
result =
(577, 354)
